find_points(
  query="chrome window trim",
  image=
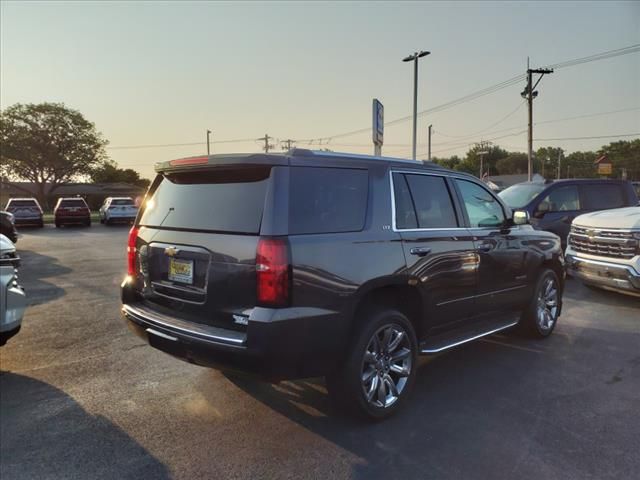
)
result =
(393, 201)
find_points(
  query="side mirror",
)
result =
(520, 217)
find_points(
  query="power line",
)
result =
(508, 115)
(499, 86)
(587, 138)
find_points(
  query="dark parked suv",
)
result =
(553, 205)
(320, 264)
(72, 210)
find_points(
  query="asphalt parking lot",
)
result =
(82, 397)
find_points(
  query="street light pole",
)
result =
(208, 143)
(414, 58)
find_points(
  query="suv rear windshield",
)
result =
(122, 201)
(327, 200)
(72, 203)
(225, 200)
(22, 203)
(517, 196)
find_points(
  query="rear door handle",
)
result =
(420, 251)
(485, 247)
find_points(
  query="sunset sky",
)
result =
(150, 73)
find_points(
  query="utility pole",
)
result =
(289, 143)
(429, 151)
(208, 143)
(414, 58)
(483, 146)
(267, 145)
(529, 93)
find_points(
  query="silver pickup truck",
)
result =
(603, 249)
(13, 299)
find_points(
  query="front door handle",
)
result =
(420, 251)
(485, 247)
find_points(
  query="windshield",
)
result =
(517, 196)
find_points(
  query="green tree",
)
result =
(624, 155)
(471, 162)
(514, 163)
(579, 165)
(109, 172)
(547, 162)
(48, 143)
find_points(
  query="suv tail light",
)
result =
(131, 251)
(272, 272)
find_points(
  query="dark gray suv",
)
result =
(321, 264)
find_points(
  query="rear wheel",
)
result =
(541, 316)
(58, 224)
(87, 223)
(380, 369)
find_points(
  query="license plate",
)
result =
(181, 270)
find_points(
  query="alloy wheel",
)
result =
(547, 310)
(386, 366)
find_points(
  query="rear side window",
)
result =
(405, 211)
(432, 202)
(224, 200)
(602, 196)
(327, 200)
(72, 203)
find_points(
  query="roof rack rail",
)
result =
(303, 152)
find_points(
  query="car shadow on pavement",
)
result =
(34, 268)
(51, 434)
(477, 409)
(577, 291)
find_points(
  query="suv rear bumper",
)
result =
(278, 344)
(608, 275)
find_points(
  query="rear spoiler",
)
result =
(214, 161)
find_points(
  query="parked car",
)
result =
(604, 250)
(27, 211)
(636, 185)
(72, 210)
(321, 264)
(13, 297)
(118, 210)
(7, 226)
(552, 206)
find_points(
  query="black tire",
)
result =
(87, 223)
(347, 386)
(102, 220)
(58, 224)
(41, 224)
(534, 323)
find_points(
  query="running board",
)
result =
(452, 339)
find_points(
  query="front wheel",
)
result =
(541, 316)
(380, 369)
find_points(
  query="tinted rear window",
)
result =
(22, 203)
(224, 200)
(72, 203)
(119, 201)
(327, 200)
(601, 196)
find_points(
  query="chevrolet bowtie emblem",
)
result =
(171, 251)
(591, 234)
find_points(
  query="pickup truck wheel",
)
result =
(541, 316)
(380, 369)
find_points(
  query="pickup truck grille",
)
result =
(607, 243)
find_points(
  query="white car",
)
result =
(14, 300)
(603, 249)
(118, 210)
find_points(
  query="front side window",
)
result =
(563, 199)
(482, 208)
